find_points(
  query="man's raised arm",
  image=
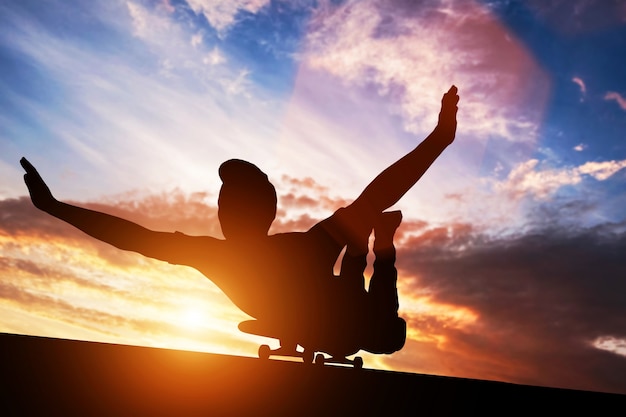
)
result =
(118, 232)
(391, 184)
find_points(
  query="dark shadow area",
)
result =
(44, 376)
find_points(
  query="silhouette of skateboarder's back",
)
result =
(288, 277)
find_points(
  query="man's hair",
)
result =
(249, 187)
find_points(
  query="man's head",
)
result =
(247, 200)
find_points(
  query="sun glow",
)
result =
(193, 317)
(452, 315)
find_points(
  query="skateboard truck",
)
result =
(357, 362)
(265, 352)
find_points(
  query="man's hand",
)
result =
(39, 192)
(447, 116)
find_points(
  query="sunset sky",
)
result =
(512, 252)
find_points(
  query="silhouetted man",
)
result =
(285, 278)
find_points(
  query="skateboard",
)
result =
(308, 354)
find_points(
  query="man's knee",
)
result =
(396, 335)
(388, 336)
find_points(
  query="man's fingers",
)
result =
(28, 167)
(451, 97)
(31, 171)
(28, 180)
(33, 180)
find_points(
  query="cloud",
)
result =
(214, 57)
(528, 179)
(621, 101)
(221, 14)
(545, 305)
(412, 52)
(196, 39)
(147, 25)
(581, 84)
(192, 213)
(167, 6)
(305, 197)
(181, 57)
(601, 170)
(611, 344)
(583, 88)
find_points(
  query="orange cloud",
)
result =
(62, 283)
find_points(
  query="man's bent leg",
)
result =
(352, 269)
(348, 303)
(388, 331)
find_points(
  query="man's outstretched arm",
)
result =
(391, 184)
(118, 232)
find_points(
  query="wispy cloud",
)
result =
(581, 84)
(122, 119)
(583, 88)
(148, 25)
(617, 97)
(182, 49)
(196, 39)
(222, 14)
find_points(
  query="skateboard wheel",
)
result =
(358, 363)
(264, 352)
(307, 356)
(319, 359)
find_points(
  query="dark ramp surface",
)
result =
(45, 377)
